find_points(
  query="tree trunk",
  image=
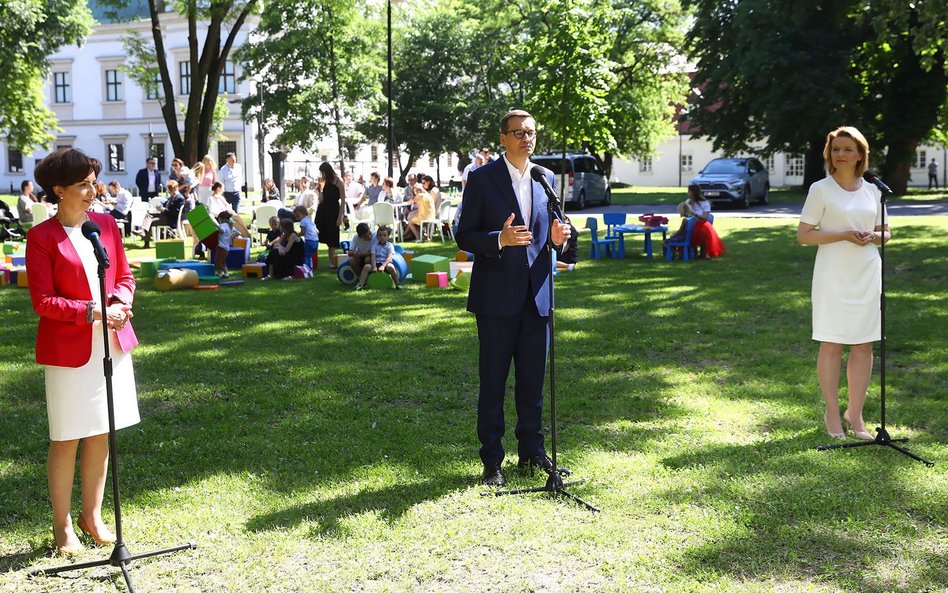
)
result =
(895, 171)
(814, 167)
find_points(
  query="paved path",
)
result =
(896, 208)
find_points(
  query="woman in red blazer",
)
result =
(64, 287)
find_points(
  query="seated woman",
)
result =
(271, 193)
(704, 237)
(287, 254)
(425, 211)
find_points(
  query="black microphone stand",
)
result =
(554, 482)
(120, 557)
(882, 435)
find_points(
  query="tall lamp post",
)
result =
(390, 147)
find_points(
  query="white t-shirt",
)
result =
(701, 208)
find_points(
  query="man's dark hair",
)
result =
(23, 184)
(510, 114)
(362, 228)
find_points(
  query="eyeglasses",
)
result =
(521, 134)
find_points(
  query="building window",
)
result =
(431, 162)
(227, 82)
(223, 148)
(374, 153)
(645, 165)
(795, 165)
(113, 85)
(687, 162)
(184, 78)
(116, 154)
(62, 86)
(920, 159)
(157, 151)
(14, 161)
(450, 159)
(769, 163)
(156, 91)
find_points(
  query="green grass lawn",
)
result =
(311, 438)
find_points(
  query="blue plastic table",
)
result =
(639, 229)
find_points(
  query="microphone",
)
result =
(874, 180)
(91, 231)
(538, 174)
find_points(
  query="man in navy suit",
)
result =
(504, 222)
(148, 179)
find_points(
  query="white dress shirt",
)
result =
(522, 188)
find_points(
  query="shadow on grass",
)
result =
(390, 503)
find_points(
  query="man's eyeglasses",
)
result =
(521, 134)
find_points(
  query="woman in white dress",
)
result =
(843, 215)
(64, 288)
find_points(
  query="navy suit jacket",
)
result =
(502, 279)
(141, 180)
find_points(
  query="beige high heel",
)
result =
(833, 435)
(862, 435)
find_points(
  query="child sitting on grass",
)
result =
(224, 234)
(360, 248)
(382, 252)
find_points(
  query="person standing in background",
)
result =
(148, 180)
(933, 174)
(232, 176)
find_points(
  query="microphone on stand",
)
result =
(91, 231)
(874, 180)
(538, 174)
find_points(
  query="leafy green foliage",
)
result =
(328, 74)
(788, 74)
(31, 31)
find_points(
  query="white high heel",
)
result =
(833, 435)
(862, 435)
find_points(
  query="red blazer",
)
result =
(60, 291)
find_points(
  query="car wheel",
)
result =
(608, 199)
(581, 202)
(765, 197)
(745, 197)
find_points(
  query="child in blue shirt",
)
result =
(382, 253)
(310, 235)
(224, 233)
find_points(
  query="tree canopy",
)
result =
(787, 74)
(33, 30)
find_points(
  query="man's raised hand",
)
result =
(514, 234)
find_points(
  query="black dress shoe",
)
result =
(492, 475)
(543, 462)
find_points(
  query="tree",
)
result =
(32, 30)
(599, 75)
(787, 87)
(221, 20)
(327, 75)
(818, 66)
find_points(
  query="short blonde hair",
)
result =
(861, 143)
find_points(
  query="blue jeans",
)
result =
(309, 248)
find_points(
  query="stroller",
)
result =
(10, 228)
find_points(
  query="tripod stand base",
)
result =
(882, 438)
(120, 557)
(554, 485)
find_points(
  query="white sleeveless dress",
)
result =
(847, 278)
(76, 402)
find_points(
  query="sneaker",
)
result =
(225, 275)
(398, 287)
(359, 287)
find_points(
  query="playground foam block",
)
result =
(436, 280)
